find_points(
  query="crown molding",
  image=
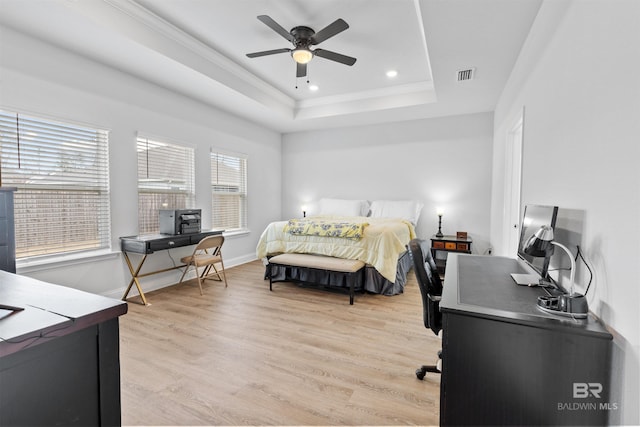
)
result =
(202, 64)
(152, 31)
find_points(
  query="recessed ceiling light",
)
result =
(392, 73)
(313, 88)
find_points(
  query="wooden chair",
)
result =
(207, 253)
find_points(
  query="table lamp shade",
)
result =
(539, 244)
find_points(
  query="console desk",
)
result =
(506, 362)
(149, 243)
(59, 355)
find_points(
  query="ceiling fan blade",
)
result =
(266, 19)
(268, 52)
(338, 26)
(301, 70)
(327, 54)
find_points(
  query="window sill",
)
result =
(236, 233)
(56, 261)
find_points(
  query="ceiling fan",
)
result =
(302, 39)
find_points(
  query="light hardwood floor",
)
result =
(295, 356)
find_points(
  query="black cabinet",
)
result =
(7, 231)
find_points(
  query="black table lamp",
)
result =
(439, 212)
(541, 244)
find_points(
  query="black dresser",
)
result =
(59, 355)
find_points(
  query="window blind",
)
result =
(61, 172)
(229, 191)
(166, 175)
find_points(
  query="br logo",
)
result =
(584, 390)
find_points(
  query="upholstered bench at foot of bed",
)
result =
(352, 270)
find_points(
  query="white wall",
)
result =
(42, 80)
(581, 152)
(443, 162)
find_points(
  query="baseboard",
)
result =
(163, 280)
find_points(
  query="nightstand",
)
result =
(441, 246)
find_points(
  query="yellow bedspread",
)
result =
(383, 241)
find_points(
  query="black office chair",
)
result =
(430, 286)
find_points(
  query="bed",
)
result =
(386, 229)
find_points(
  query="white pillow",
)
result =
(343, 207)
(405, 209)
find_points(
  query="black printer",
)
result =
(180, 221)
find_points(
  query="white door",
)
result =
(513, 183)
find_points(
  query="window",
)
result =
(165, 181)
(229, 191)
(61, 172)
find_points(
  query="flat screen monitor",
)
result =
(535, 216)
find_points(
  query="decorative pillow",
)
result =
(331, 228)
(405, 209)
(343, 207)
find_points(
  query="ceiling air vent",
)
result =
(464, 75)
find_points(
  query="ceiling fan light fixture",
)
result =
(301, 55)
(302, 38)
